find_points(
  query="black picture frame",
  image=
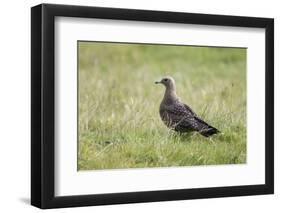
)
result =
(43, 102)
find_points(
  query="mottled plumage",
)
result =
(177, 115)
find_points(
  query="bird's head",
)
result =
(168, 82)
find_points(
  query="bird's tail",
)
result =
(205, 129)
(209, 131)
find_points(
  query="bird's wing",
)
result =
(180, 114)
(181, 117)
(202, 123)
(189, 110)
(179, 110)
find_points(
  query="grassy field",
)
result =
(119, 122)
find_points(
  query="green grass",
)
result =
(119, 122)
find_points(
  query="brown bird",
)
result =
(177, 115)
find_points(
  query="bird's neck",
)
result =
(170, 95)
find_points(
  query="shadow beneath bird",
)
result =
(188, 137)
(182, 137)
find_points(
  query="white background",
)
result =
(15, 106)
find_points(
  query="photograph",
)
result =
(160, 105)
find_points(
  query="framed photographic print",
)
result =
(139, 106)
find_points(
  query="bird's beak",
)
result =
(157, 82)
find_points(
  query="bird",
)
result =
(178, 116)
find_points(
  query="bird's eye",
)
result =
(165, 79)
